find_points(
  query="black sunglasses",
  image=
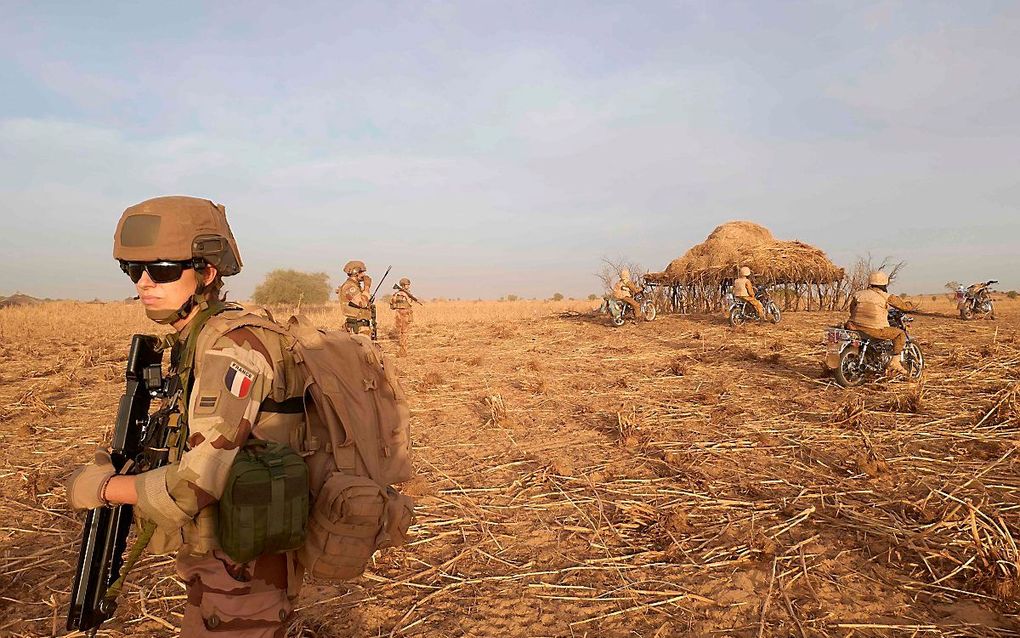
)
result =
(160, 272)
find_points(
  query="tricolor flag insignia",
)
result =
(238, 380)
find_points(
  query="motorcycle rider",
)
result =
(625, 289)
(869, 315)
(744, 290)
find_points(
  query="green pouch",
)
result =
(264, 507)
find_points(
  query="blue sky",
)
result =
(488, 148)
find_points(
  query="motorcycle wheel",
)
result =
(774, 313)
(737, 317)
(648, 310)
(966, 313)
(848, 373)
(913, 360)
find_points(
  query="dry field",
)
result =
(676, 478)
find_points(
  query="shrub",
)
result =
(285, 286)
(512, 297)
(592, 297)
(558, 296)
(1012, 294)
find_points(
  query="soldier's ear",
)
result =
(208, 274)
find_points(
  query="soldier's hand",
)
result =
(85, 485)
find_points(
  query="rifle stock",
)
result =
(139, 443)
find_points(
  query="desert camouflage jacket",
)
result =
(241, 381)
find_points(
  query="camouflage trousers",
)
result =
(231, 600)
(404, 318)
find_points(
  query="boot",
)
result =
(895, 368)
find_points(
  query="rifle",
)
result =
(139, 444)
(371, 304)
(413, 298)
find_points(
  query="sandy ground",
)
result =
(673, 478)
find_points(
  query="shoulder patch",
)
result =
(238, 380)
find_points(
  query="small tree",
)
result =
(558, 296)
(592, 297)
(285, 286)
(1012, 294)
(512, 297)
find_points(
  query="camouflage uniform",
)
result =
(237, 384)
(354, 295)
(400, 303)
(240, 380)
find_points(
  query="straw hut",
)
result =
(801, 275)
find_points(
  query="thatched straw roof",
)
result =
(741, 243)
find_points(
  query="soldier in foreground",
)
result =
(625, 289)
(869, 314)
(355, 298)
(176, 250)
(400, 303)
(743, 289)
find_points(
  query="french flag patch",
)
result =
(238, 380)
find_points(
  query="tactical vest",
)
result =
(401, 301)
(870, 308)
(352, 287)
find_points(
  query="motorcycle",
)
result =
(976, 301)
(620, 311)
(853, 355)
(741, 311)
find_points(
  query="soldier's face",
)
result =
(173, 295)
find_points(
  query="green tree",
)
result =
(285, 286)
(558, 296)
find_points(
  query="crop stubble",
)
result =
(672, 478)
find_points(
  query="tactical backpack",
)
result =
(355, 443)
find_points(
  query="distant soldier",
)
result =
(869, 314)
(400, 303)
(743, 289)
(355, 298)
(625, 289)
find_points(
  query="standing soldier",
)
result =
(355, 296)
(176, 250)
(400, 302)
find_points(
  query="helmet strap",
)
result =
(197, 299)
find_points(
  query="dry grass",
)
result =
(675, 478)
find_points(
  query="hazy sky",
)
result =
(486, 148)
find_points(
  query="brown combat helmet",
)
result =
(177, 228)
(405, 282)
(745, 271)
(353, 266)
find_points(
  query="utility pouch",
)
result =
(352, 518)
(264, 507)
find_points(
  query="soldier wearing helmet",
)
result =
(624, 290)
(869, 314)
(743, 289)
(176, 250)
(400, 303)
(355, 298)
